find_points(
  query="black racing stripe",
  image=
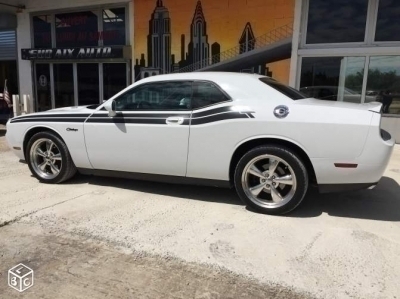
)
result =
(144, 115)
(70, 115)
(212, 111)
(69, 120)
(214, 114)
(120, 120)
(218, 117)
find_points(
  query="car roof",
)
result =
(212, 76)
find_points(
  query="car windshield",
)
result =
(288, 91)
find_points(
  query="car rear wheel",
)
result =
(271, 179)
(49, 159)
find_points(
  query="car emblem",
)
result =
(281, 111)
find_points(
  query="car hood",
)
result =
(370, 106)
(63, 110)
(69, 109)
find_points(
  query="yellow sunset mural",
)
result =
(172, 34)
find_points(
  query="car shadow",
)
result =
(2, 132)
(382, 203)
(192, 192)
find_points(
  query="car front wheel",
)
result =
(271, 179)
(49, 159)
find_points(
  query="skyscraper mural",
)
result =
(159, 38)
(186, 35)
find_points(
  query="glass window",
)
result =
(63, 85)
(333, 78)
(286, 90)
(206, 94)
(383, 82)
(339, 21)
(114, 26)
(42, 31)
(156, 96)
(77, 29)
(114, 78)
(43, 90)
(88, 83)
(388, 22)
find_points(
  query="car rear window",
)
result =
(288, 91)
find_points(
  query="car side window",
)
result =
(206, 94)
(168, 95)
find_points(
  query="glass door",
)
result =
(88, 83)
(63, 85)
(43, 86)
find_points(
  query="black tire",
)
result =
(295, 165)
(67, 167)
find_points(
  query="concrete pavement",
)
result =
(334, 246)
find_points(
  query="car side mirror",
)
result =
(110, 107)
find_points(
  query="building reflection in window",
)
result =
(333, 78)
(339, 21)
(384, 82)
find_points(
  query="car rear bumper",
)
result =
(360, 172)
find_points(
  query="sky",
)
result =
(225, 19)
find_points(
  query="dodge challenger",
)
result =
(265, 139)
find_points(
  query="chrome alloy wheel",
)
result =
(46, 158)
(269, 181)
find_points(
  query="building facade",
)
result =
(8, 59)
(72, 52)
(349, 51)
(64, 53)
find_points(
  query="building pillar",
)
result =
(295, 43)
(24, 66)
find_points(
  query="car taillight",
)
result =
(385, 135)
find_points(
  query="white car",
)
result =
(224, 129)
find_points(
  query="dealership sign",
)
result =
(72, 53)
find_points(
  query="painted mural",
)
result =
(187, 35)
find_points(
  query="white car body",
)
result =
(342, 141)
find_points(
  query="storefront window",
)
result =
(388, 22)
(114, 26)
(42, 31)
(333, 78)
(384, 82)
(339, 21)
(63, 85)
(114, 78)
(77, 29)
(88, 83)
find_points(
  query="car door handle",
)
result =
(174, 120)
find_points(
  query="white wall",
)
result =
(392, 125)
(24, 38)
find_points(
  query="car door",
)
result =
(149, 133)
(211, 131)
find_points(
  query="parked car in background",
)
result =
(250, 132)
(331, 93)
